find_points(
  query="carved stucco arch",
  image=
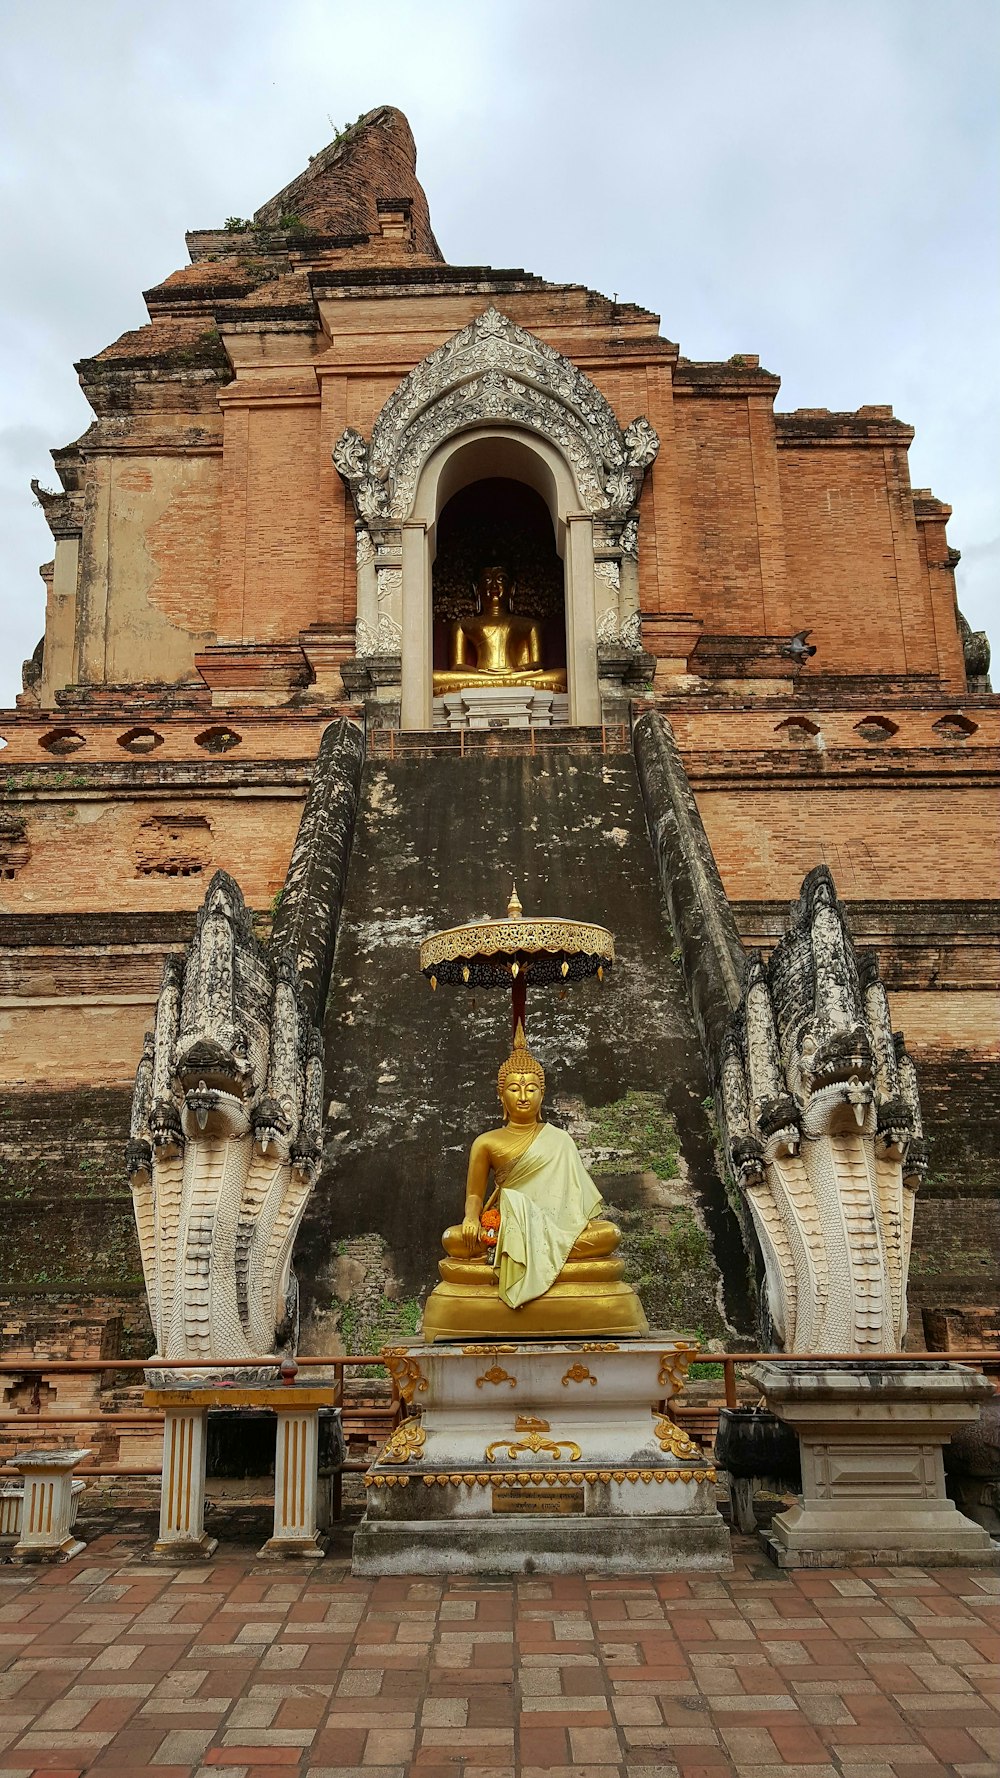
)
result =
(495, 381)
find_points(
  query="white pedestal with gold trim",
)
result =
(540, 1457)
(500, 706)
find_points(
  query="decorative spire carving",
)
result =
(492, 370)
(823, 1130)
(225, 1141)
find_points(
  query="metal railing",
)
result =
(354, 1414)
(361, 1416)
(387, 743)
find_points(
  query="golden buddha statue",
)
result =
(534, 1258)
(495, 647)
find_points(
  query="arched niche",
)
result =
(520, 457)
(498, 521)
(496, 401)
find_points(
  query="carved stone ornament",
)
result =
(385, 638)
(823, 1130)
(624, 637)
(495, 371)
(225, 1142)
(607, 628)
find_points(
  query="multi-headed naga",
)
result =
(824, 1134)
(225, 1141)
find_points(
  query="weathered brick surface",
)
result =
(87, 853)
(928, 843)
(211, 513)
(715, 492)
(232, 525)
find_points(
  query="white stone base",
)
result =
(48, 1507)
(870, 1434)
(301, 1549)
(540, 1458)
(186, 1549)
(694, 1542)
(501, 706)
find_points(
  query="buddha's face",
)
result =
(494, 591)
(522, 1098)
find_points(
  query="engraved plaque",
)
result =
(538, 1500)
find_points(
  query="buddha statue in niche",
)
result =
(496, 647)
(533, 1258)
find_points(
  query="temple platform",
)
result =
(541, 1457)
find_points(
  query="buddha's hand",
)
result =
(470, 1232)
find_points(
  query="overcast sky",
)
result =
(812, 180)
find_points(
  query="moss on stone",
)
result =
(367, 1327)
(669, 1259)
(639, 1133)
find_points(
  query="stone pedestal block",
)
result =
(48, 1508)
(182, 1485)
(296, 1527)
(541, 1458)
(871, 1434)
(182, 1489)
(12, 1503)
(502, 706)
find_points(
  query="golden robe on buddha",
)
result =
(546, 1202)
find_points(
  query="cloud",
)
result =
(814, 183)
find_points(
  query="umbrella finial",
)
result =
(514, 908)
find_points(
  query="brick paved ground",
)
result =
(240, 1669)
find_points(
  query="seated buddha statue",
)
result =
(534, 1257)
(494, 647)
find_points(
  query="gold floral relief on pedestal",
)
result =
(672, 1438)
(406, 1443)
(404, 1371)
(578, 1373)
(600, 1346)
(674, 1367)
(534, 1442)
(487, 1351)
(523, 1478)
(496, 1374)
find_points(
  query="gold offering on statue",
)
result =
(533, 1255)
(495, 647)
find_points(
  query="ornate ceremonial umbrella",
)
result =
(513, 951)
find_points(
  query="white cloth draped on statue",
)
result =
(546, 1202)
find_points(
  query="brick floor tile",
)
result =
(386, 1747)
(281, 1757)
(798, 1743)
(785, 1770)
(595, 1745)
(751, 1746)
(636, 1712)
(571, 1771)
(544, 1747)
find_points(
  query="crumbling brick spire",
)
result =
(364, 183)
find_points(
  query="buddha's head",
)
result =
(521, 1083)
(494, 592)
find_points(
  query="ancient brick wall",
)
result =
(929, 843)
(152, 854)
(718, 520)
